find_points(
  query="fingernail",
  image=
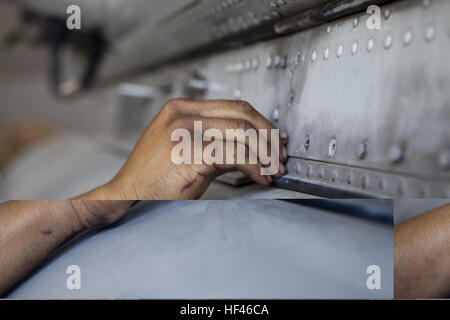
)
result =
(283, 134)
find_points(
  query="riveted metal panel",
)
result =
(367, 111)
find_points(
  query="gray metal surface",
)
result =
(145, 33)
(406, 209)
(367, 111)
(222, 249)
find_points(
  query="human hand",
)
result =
(149, 172)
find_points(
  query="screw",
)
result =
(396, 154)
(332, 147)
(362, 150)
(276, 114)
(307, 143)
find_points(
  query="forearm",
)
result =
(30, 231)
(422, 256)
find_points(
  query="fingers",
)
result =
(242, 132)
(218, 116)
(225, 109)
(253, 170)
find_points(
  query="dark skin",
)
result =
(31, 230)
(422, 256)
(150, 174)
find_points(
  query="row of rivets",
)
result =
(364, 181)
(244, 66)
(396, 152)
(388, 42)
(277, 61)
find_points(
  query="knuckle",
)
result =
(174, 106)
(244, 107)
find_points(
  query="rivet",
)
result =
(334, 176)
(444, 159)
(276, 114)
(396, 154)
(355, 47)
(326, 54)
(340, 51)
(299, 58)
(277, 61)
(364, 182)
(329, 29)
(283, 61)
(248, 65)
(306, 144)
(332, 147)
(430, 33)
(370, 44)
(355, 22)
(321, 172)
(407, 37)
(269, 62)
(309, 172)
(387, 14)
(314, 56)
(239, 67)
(255, 64)
(388, 41)
(299, 168)
(362, 150)
(349, 179)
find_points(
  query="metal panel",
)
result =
(146, 33)
(406, 209)
(223, 249)
(367, 111)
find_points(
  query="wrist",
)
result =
(96, 214)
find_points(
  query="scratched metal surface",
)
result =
(367, 111)
(223, 249)
(135, 28)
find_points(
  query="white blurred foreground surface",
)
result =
(222, 249)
